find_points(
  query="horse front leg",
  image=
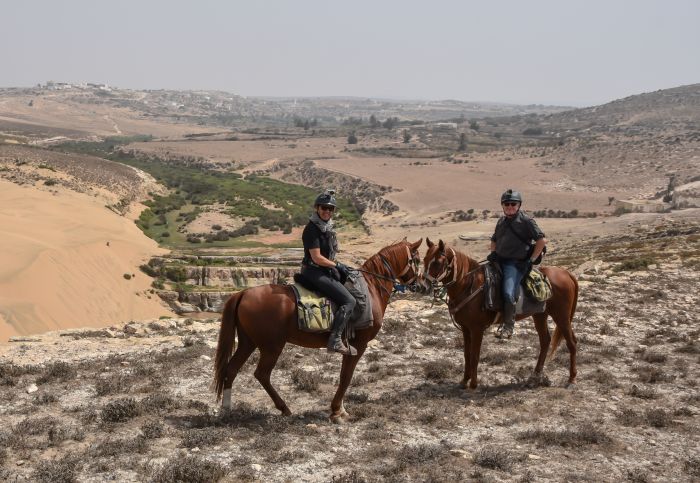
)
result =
(545, 340)
(466, 336)
(338, 412)
(475, 350)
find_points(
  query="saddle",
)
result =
(532, 295)
(315, 311)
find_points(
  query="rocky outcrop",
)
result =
(238, 278)
(188, 302)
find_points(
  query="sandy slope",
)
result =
(56, 269)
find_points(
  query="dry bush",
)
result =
(306, 380)
(638, 475)
(120, 410)
(158, 403)
(152, 429)
(287, 456)
(112, 385)
(496, 358)
(690, 347)
(115, 447)
(495, 458)
(606, 378)
(692, 467)
(658, 418)
(191, 469)
(357, 397)
(630, 417)
(57, 371)
(643, 392)
(44, 398)
(654, 357)
(439, 369)
(652, 374)
(64, 470)
(34, 426)
(395, 327)
(203, 437)
(567, 437)
(350, 477)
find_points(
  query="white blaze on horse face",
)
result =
(226, 401)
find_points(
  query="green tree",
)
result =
(462, 142)
(352, 138)
(406, 136)
(373, 123)
(474, 125)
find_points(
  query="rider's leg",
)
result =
(330, 287)
(513, 274)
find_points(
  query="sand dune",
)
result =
(57, 270)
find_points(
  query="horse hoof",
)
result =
(570, 385)
(464, 383)
(337, 419)
(538, 380)
(286, 412)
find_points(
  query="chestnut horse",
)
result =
(463, 278)
(265, 318)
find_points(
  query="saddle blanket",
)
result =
(315, 312)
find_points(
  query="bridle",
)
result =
(413, 262)
(450, 268)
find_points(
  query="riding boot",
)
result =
(335, 340)
(505, 330)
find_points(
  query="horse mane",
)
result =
(465, 264)
(390, 253)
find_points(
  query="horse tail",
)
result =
(557, 337)
(227, 342)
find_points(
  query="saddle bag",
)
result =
(314, 313)
(536, 286)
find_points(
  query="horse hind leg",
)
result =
(243, 351)
(564, 325)
(268, 359)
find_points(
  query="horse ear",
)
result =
(441, 245)
(405, 239)
(415, 245)
(429, 243)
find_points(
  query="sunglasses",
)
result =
(510, 203)
(328, 208)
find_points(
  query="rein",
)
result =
(393, 278)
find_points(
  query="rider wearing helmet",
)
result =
(323, 272)
(512, 247)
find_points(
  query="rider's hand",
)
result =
(493, 257)
(342, 269)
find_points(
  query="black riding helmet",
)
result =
(326, 198)
(510, 195)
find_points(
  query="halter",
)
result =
(440, 293)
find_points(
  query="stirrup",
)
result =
(341, 348)
(504, 332)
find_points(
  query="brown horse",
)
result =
(265, 318)
(464, 279)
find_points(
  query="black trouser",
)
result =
(323, 281)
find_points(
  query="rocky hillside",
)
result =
(80, 173)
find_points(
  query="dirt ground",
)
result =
(133, 403)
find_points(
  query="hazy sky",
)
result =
(551, 52)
